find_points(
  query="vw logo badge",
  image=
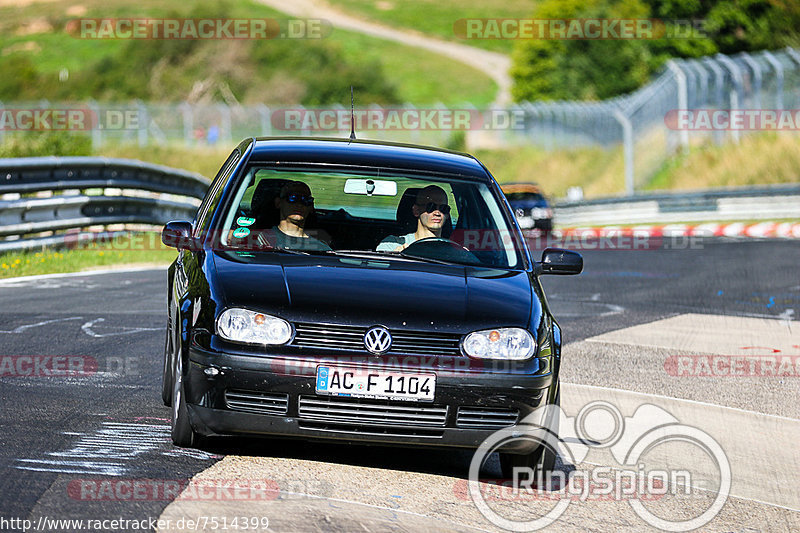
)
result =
(378, 340)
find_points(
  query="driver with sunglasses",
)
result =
(295, 205)
(431, 211)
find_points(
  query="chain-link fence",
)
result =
(719, 97)
(676, 109)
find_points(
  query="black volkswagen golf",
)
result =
(357, 291)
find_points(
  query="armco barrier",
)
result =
(138, 197)
(740, 204)
(140, 187)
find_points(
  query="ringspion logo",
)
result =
(639, 476)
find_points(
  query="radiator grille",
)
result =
(486, 417)
(257, 402)
(351, 338)
(370, 412)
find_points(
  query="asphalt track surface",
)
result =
(623, 319)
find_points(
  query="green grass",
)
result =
(145, 248)
(759, 159)
(421, 77)
(436, 17)
(598, 171)
(37, 32)
(205, 160)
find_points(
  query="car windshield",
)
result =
(421, 218)
(525, 197)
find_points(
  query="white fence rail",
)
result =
(761, 203)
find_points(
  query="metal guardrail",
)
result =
(32, 174)
(746, 203)
(28, 222)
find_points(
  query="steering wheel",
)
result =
(441, 248)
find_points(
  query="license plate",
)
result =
(366, 383)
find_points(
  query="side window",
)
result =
(206, 209)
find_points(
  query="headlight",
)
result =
(243, 325)
(504, 343)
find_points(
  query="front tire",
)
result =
(167, 376)
(543, 459)
(182, 433)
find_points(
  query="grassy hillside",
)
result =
(35, 48)
(436, 17)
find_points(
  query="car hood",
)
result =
(394, 293)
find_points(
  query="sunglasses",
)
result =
(303, 199)
(430, 207)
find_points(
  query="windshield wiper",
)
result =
(260, 249)
(428, 259)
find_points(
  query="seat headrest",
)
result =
(262, 205)
(406, 220)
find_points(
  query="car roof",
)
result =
(366, 153)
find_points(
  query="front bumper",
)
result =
(211, 414)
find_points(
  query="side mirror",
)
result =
(561, 262)
(178, 234)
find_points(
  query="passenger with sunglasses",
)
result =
(431, 211)
(295, 205)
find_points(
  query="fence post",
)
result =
(188, 125)
(772, 60)
(226, 128)
(719, 80)
(627, 139)
(144, 123)
(757, 78)
(737, 94)
(266, 124)
(794, 55)
(683, 100)
(702, 100)
(97, 133)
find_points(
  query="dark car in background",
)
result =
(439, 343)
(530, 206)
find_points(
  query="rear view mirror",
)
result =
(561, 262)
(371, 187)
(177, 234)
